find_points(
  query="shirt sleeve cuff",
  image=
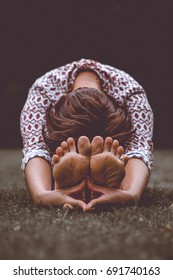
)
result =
(35, 153)
(148, 160)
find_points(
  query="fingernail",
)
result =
(67, 206)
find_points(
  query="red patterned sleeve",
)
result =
(140, 144)
(31, 124)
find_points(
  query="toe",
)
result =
(71, 144)
(97, 145)
(114, 147)
(65, 147)
(84, 146)
(125, 160)
(59, 152)
(107, 144)
(120, 151)
(55, 159)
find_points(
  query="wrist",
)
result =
(39, 197)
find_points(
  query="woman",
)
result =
(46, 124)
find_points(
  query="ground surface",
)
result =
(130, 232)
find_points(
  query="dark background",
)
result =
(133, 35)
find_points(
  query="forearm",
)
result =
(136, 178)
(38, 178)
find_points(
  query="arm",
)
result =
(38, 178)
(136, 178)
(36, 154)
(140, 115)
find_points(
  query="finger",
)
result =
(95, 202)
(75, 203)
(96, 188)
(116, 197)
(68, 206)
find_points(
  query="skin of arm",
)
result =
(132, 186)
(136, 178)
(38, 179)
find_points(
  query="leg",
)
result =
(106, 168)
(70, 168)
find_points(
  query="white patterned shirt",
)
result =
(48, 89)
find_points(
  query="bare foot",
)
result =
(106, 168)
(70, 168)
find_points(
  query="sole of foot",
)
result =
(106, 168)
(71, 163)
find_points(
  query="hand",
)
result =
(108, 196)
(63, 197)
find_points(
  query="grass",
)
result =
(129, 232)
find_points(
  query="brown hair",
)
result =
(89, 112)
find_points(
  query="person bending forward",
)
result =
(74, 123)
